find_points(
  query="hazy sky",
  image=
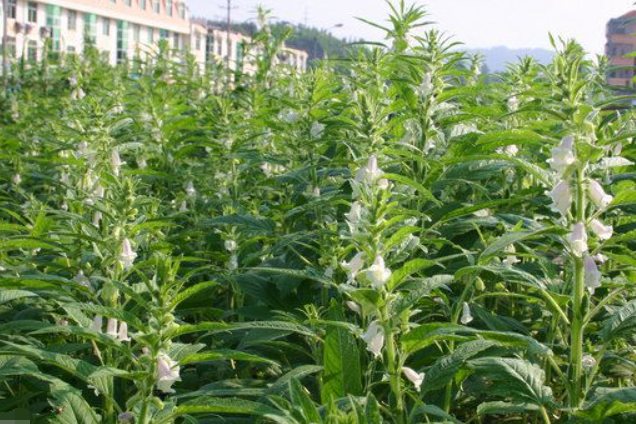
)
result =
(477, 23)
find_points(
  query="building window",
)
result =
(128, 3)
(11, 9)
(198, 42)
(151, 35)
(136, 33)
(53, 23)
(70, 50)
(169, 7)
(182, 10)
(106, 26)
(156, 6)
(32, 51)
(219, 46)
(113, 1)
(142, 4)
(122, 41)
(175, 40)
(11, 49)
(33, 12)
(72, 20)
(90, 28)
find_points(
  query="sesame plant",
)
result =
(393, 237)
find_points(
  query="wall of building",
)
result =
(621, 42)
(120, 28)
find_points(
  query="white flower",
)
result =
(190, 191)
(232, 265)
(98, 321)
(578, 239)
(466, 315)
(600, 258)
(563, 154)
(99, 191)
(510, 259)
(414, 377)
(592, 274)
(561, 196)
(513, 103)
(511, 150)
(115, 162)
(183, 207)
(354, 216)
(65, 178)
(604, 232)
(81, 279)
(354, 306)
(598, 195)
(97, 218)
(317, 129)
(374, 338)
(378, 273)
(167, 373)
(427, 86)
(127, 255)
(588, 362)
(370, 173)
(16, 179)
(329, 272)
(111, 327)
(142, 162)
(122, 334)
(230, 245)
(354, 266)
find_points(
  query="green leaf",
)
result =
(212, 405)
(611, 402)
(74, 409)
(413, 184)
(9, 295)
(223, 355)
(342, 375)
(411, 267)
(516, 379)
(621, 323)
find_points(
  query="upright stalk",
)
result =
(576, 345)
(393, 366)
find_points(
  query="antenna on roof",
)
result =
(229, 8)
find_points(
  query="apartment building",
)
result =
(621, 41)
(120, 29)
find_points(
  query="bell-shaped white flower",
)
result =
(561, 196)
(370, 173)
(563, 154)
(467, 317)
(601, 258)
(190, 191)
(142, 162)
(354, 266)
(598, 195)
(16, 179)
(588, 362)
(378, 273)
(115, 162)
(374, 338)
(354, 216)
(98, 321)
(602, 231)
(111, 327)
(414, 377)
(98, 191)
(122, 334)
(578, 239)
(592, 274)
(80, 278)
(513, 103)
(511, 150)
(127, 255)
(97, 218)
(232, 264)
(426, 87)
(183, 207)
(354, 306)
(511, 258)
(317, 129)
(167, 373)
(230, 245)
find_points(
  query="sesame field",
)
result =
(389, 238)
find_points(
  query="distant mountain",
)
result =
(498, 57)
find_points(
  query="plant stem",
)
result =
(393, 365)
(576, 345)
(545, 415)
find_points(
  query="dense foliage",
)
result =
(399, 240)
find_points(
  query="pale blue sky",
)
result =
(477, 23)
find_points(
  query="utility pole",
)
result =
(228, 60)
(5, 41)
